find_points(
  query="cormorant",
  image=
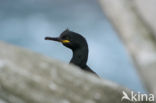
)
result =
(78, 44)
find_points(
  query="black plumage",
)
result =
(78, 44)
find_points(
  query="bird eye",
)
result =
(65, 37)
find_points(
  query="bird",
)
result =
(78, 44)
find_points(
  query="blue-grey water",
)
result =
(26, 22)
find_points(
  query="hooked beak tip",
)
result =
(46, 38)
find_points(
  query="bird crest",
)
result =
(67, 30)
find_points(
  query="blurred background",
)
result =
(25, 23)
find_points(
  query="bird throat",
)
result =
(80, 57)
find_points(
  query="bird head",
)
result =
(70, 39)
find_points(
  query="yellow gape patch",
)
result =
(65, 41)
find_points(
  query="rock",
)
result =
(135, 26)
(27, 77)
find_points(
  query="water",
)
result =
(26, 22)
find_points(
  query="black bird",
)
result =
(78, 44)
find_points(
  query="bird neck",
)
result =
(80, 56)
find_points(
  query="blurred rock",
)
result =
(27, 77)
(134, 21)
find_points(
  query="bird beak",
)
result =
(57, 39)
(52, 38)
